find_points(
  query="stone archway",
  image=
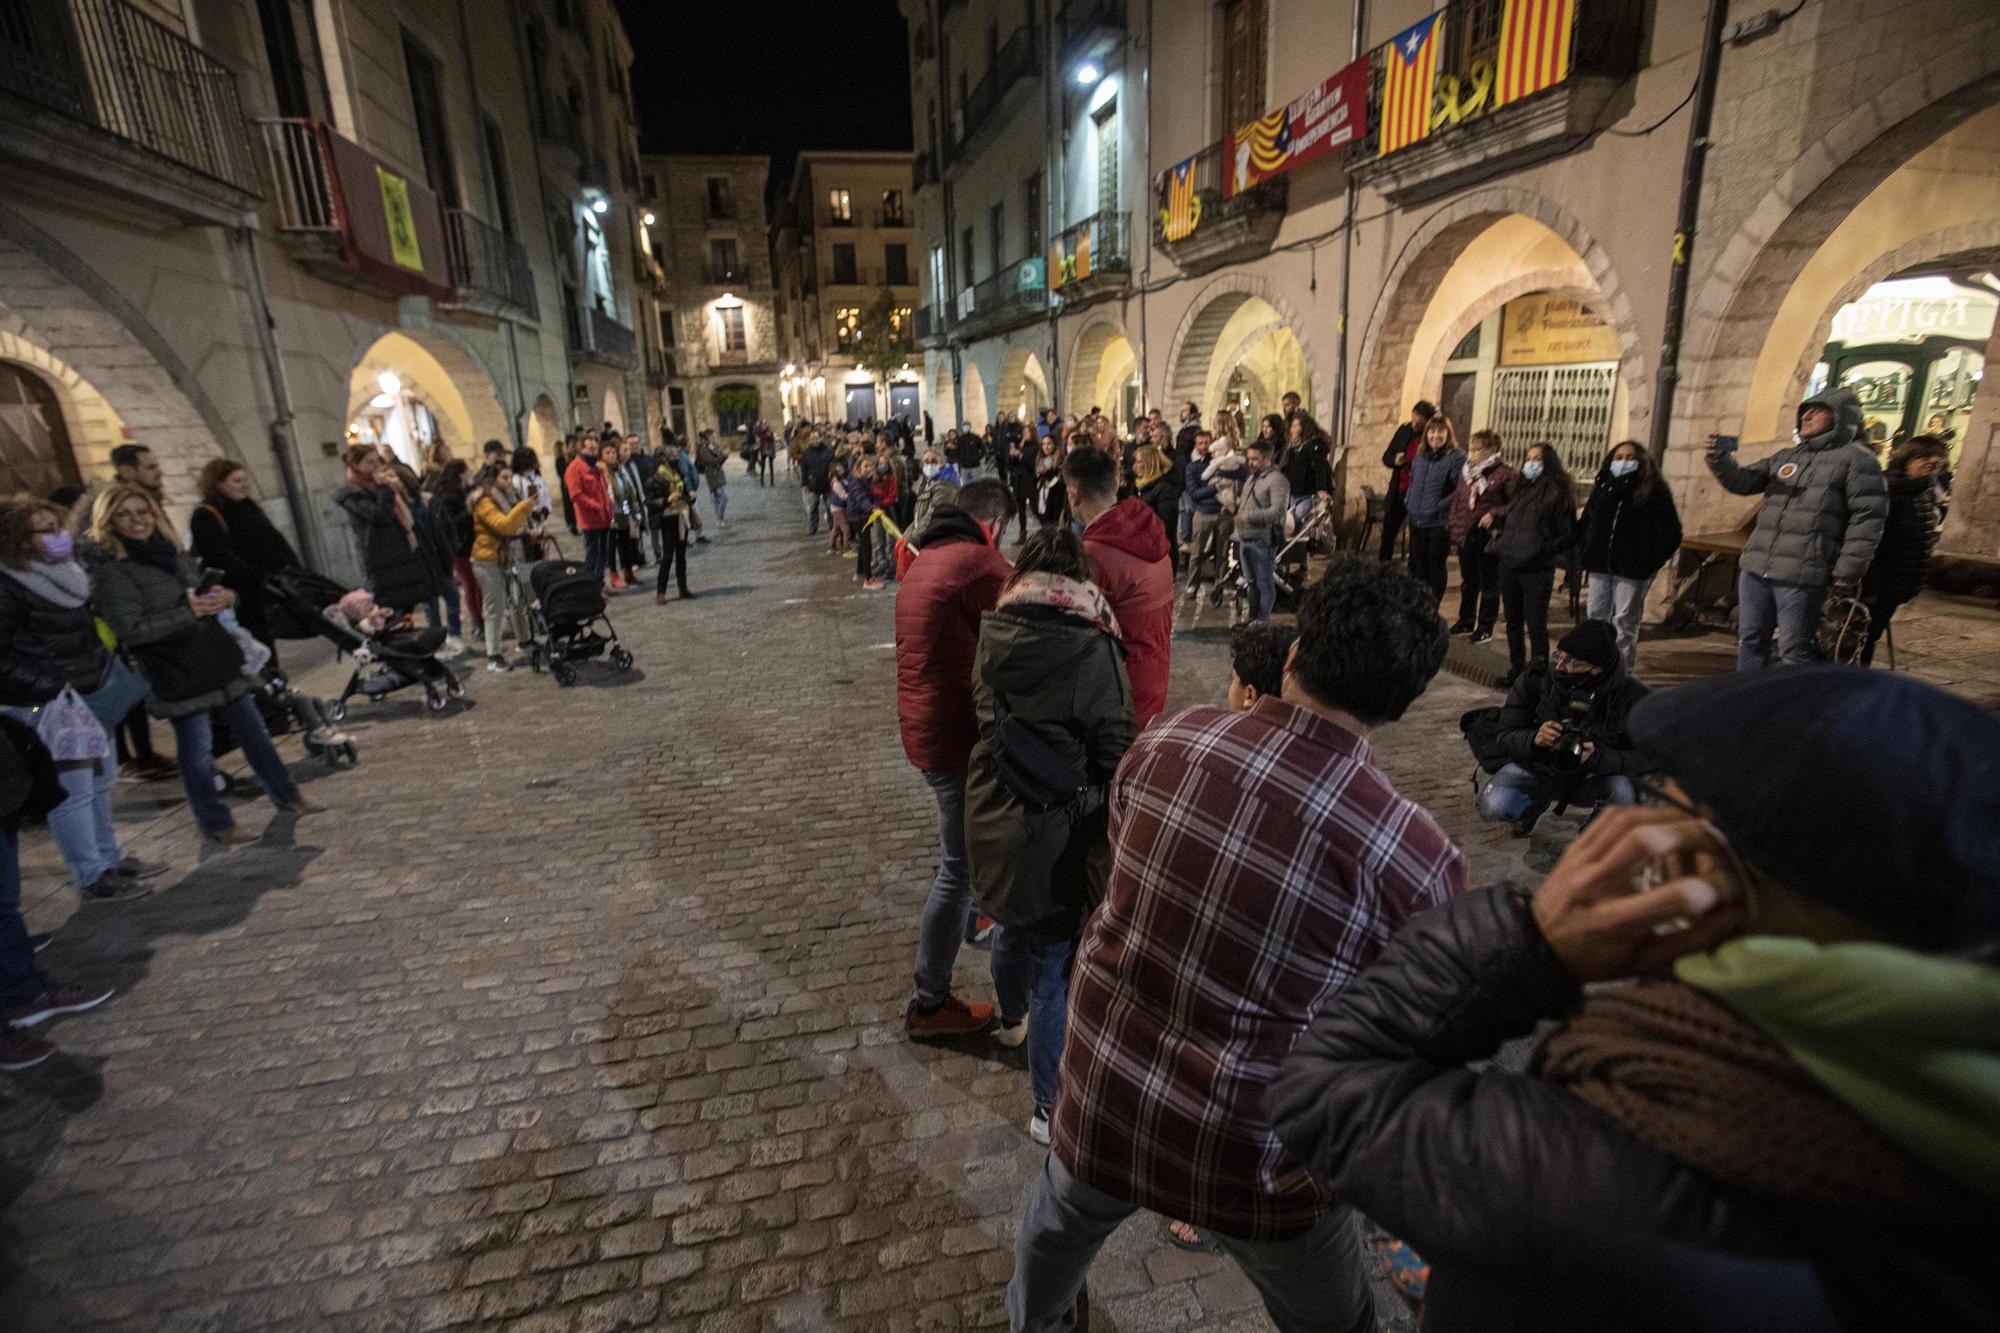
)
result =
(426, 366)
(975, 414)
(1229, 323)
(89, 423)
(944, 401)
(545, 430)
(1023, 385)
(1101, 358)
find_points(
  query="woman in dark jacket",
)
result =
(441, 608)
(153, 597)
(230, 532)
(1902, 562)
(1160, 487)
(49, 643)
(451, 539)
(1775, 1122)
(1630, 529)
(1048, 500)
(1479, 503)
(1050, 664)
(383, 534)
(1541, 529)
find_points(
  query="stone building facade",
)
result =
(1512, 262)
(298, 224)
(718, 322)
(844, 241)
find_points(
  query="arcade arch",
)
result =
(1023, 389)
(1103, 372)
(413, 387)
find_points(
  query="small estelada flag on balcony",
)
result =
(1183, 211)
(1535, 40)
(1409, 68)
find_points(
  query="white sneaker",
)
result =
(497, 664)
(1012, 1034)
(1038, 1129)
(453, 646)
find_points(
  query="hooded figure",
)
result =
(1129, 558)
(1825, 502)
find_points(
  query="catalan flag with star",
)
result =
(1409, 68)
(1182, 213)
(1534, 47)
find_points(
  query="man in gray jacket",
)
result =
(1260, 516)
(1824, 507)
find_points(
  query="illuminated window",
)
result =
(900, 317)
(847, 326)
(840, 205)
(729, 321)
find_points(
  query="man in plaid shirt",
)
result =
(1260, 861)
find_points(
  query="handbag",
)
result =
(1034, 772)
(118, 693)
(194, 660)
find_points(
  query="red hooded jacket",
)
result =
(1128, 561)
(953, 581)
(588, 494)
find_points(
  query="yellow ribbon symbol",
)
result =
(1680, 248)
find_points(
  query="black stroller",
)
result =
(383, 663)
(568, 605)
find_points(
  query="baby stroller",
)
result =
(568, 603)
(384, 662)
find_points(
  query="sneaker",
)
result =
(233, 836)
(497, 664)
(873, 585)
(56, 1001)
(1480, 636)
(1459, 627)
(953, 1018)
(1038, 1127)
(113, 888)
(453, 646)
(1011, 1034)
(1194, 592)
(155, 769)
(301, 805)
(22, 1050)
(134, 868)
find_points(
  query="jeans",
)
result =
(1515, 792)
(1257, 566)
(1525, 594)
(1186, 529)
(81, 825)
(20, 980)
(1031, 980)
(1790, 608)
(1206, 546)
(1394, 511)
(1621, 601)
(673, 555)
(1478, 582)
(1312, 1283)
(448, 616)
(949, 903)
(597, 552)
(492, 577)
(815, 507)
(194, 742)
(720, 495)
(1429, 549)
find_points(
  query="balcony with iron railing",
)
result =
(489, 269)
(1015, 64)
(611, 343)
(101, 93)
(931, 324)
(352, 218)
(1199, 226)
(1092, 258)
(1017, 294)
(1482, 121)
(727, 275)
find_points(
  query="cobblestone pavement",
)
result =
(580, 1009)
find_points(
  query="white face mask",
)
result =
(1532, 468)
(931, 470)
(1624, 467)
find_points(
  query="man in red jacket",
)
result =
(955, 579)
(1129, 562)
(590, 496)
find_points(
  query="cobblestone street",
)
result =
(580, 1009)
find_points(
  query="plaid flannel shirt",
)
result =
(1260, 861)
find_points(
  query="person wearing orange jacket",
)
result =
(591, 497)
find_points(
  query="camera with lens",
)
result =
(1567, 753)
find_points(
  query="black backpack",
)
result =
(1481, 729)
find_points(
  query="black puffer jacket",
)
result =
(1539, 1213)
(1540, 527)
(45, 646)
(1626, 534)
(1903, 560)
(391, 565)
(1601, 714)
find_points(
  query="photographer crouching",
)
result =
(1563, 730)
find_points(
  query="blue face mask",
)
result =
(1624, 467)
(1532, 468)
(57, 547)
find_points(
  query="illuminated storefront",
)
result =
(1913, 349)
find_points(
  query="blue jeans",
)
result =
(194, 744)
(720, 495)
(1031, 980)
(449, 617)
(1186, 529)
(1311, 1283)
(81, 825)
(816, 506)
(1791, 608)
(1515, 792)
(1256, 558)
(597, 552)
(20, 979)
(949, 904)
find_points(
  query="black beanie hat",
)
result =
(1595, 642)
(1864, 790)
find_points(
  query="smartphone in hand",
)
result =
(211, 579)
(1723, 444)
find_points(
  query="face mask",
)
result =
(931, 470)
(1532, 468)
(1624, 467)
(57, 547)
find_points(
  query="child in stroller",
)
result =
(388, 654)
(568, 602)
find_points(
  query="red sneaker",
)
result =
(953, 1018)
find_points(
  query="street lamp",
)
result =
(600, 206)
(388, 381)
(1087, 73)
(647, 220)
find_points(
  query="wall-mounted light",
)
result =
(648, 219)
(1087, 73)
(600, 206)
(390, 384)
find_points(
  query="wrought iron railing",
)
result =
(1206, 204)
(1004, 292)
(610, 338)
(1092, 248)
(108, 65)
(301, 172)
(486, 259)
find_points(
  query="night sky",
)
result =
(769, 76)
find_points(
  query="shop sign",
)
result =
(1031, 275)
(1315, 122)
(1898, 318)
(1549, 330)
(404, 247)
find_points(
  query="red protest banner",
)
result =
(1315, 122)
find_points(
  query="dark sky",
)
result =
(769, 76)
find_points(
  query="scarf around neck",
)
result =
(1072, 597)
(156, 551)
(65, 584)
(1475, 473)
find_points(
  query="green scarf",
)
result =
(1909, 1041)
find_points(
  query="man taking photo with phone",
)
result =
(1824, 508)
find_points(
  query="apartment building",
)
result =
(717, 362)
(844, 246)
(1474, 202)
(265, 231)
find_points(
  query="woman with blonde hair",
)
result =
(162, 609)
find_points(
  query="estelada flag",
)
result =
(1534, 47)
(1182, 213)
(1409, 68)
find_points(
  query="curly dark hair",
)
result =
(1370, 639)
(1257, 653)
(19, 541)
